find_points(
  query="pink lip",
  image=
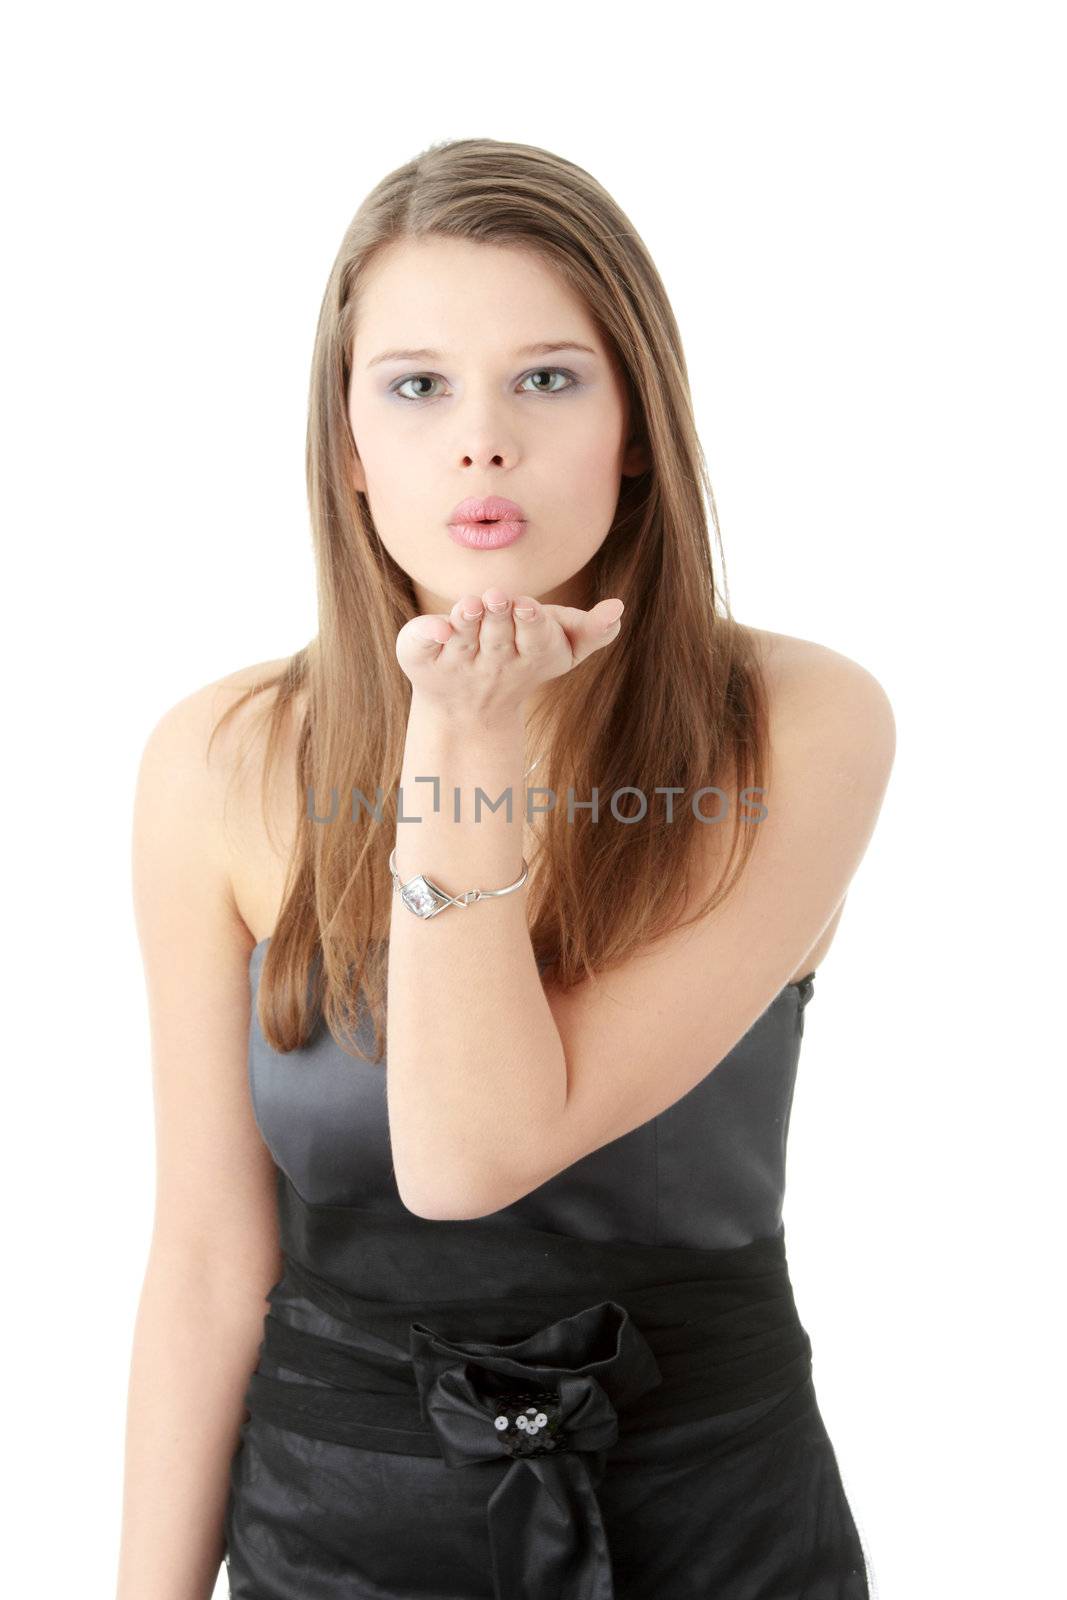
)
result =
(494, 508)
(486, 524)
(486, 535)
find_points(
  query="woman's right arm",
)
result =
(214, 1249)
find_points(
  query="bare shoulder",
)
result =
(200, 788)
(189, 722)
(215, 1176)
(810, 683)
(832, 731)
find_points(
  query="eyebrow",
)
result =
(547, 347)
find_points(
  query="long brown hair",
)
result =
(679, 699)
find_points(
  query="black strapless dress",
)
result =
(602, 1392)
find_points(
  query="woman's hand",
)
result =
(487, 664)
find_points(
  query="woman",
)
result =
(531, 1329)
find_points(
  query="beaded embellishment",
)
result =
(529, 1424)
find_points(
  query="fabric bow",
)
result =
(545, 1406)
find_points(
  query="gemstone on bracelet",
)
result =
(420, 896)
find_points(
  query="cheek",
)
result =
(594, 440)
(387, 466)
(593, 465)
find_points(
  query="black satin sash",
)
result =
(480, 1342)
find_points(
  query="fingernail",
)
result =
(526, 612)
(615, 618)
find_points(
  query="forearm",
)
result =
(476, 1069)
(193, 1351)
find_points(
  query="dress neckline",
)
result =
(794, 983)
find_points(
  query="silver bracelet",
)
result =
(425, 899)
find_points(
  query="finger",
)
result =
(497, 626)
(607, 614)
(597, 627)
(465, 619)
(576, 621)
(428, 631)
(530, 621)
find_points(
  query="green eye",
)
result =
(552, 371)
(419, 377)
(432, 377)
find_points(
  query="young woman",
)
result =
(531, 1331)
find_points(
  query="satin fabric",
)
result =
(523, 1367)
(708, 1471)
(542, 1410)
(747, 1504)
(708, 1172)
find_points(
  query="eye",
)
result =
(418, 377)
(429, 377)
(553, 371)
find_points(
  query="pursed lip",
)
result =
(493, 508)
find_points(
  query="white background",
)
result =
(858, 215)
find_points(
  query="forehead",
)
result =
(456, 295)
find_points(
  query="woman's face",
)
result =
(471, 414)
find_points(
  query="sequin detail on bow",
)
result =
(531, 1429)
(545, 1528)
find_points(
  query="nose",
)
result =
(486, 435)
(484, 444)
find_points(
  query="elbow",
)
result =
(438, 1205)
(430, 1210)
(464, 1186)
(462, 1200)
(438, 1208)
